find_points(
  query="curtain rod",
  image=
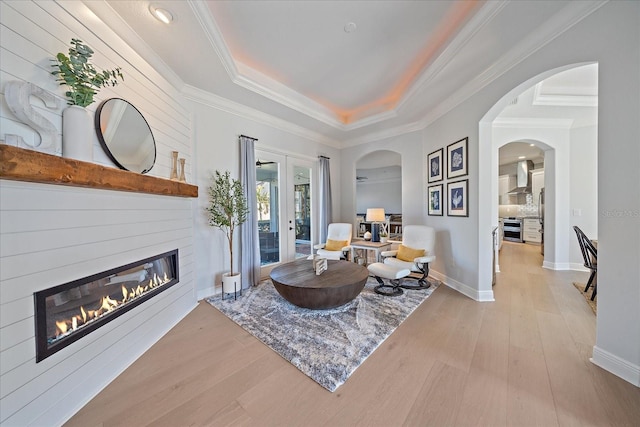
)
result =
(250, 137)
(324, 157)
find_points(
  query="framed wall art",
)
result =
(457, 158)
(435, 200)
(434, 165)
(458, 198)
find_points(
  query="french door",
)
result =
(284, 187)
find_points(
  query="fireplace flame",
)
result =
(62, 327)
(106, 304)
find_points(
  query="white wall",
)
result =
(584, 189)
(50, 234)
(380, 193)
(216, 134)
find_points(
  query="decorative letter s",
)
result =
(18, 96)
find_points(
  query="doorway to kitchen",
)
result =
(521, 186)
(557, 110)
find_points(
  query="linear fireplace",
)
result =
(66, 313)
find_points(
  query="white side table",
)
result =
(367, 245)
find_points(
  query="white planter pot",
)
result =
(231, 284)
(77, 142)
(383, 239)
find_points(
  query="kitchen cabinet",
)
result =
(505, 183)
(531, 231)
(537, 183)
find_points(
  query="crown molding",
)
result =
(486, 13)
(528, 123)
(211, 30)
(241, 110)
(251, 79)
(261, 84)
(573, 13)
(563, 100)
(384, 134)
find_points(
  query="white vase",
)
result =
(77, 142)
(231, 284)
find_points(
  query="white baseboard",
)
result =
(622, 368)
(205, 293)
(578, 267)
(556, 265)
(474, 294)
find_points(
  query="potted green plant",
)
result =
(383, 237)
(84, 82)
(228, 208)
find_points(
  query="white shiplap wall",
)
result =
(53, 234)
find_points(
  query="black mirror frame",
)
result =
(104, 145)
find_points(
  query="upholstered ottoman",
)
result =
(393, 274)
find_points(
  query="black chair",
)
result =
(590, 255)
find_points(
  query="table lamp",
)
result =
(375, 216)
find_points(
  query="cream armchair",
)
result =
(415, 253)
(338, 240)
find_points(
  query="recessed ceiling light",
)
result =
(532, 145)
(522, 157)
(350, 27)
(162, 15)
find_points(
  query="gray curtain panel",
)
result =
(325, 198)
(250, 248)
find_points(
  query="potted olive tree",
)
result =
(84, 81)
(228, 208)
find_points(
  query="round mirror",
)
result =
(125, 135)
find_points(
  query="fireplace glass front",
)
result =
(66, 313)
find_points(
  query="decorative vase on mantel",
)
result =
(174, 166)
(77, 142)
(182, 177)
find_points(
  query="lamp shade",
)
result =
(375, 215)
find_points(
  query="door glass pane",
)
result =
(302, 210)
(267, 188)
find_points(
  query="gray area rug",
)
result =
(326, 345)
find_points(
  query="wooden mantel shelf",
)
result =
(19, 164)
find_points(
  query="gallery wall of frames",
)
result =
(455, 200)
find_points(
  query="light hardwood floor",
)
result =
(521, 360)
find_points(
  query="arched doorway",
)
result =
(378, 184)
(557, 173)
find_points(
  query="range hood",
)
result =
(523, 178)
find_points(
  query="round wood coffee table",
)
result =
(340, 283)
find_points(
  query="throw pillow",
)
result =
(405, 253)
(335, 245)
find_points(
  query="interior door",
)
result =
(284, 187)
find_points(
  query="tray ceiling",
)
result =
(404, 64)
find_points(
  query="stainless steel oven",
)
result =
(513, 229)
